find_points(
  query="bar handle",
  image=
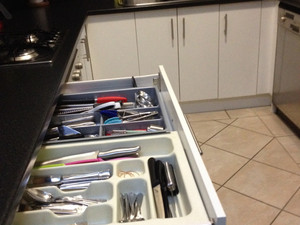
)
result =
(294, 28)
(172, 29)
(226, 25)
(183, 28)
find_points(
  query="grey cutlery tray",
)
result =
(129, 175)
(100, 130)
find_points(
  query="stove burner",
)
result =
(32, 38)
(37, 46)
(25, 55)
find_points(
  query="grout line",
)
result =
(249, 160)
(228, 114)
(282, 209)
(227, 125)
(276, 167)
(254, 131)
(273, 137)
(287, 151)
(276, 207)
(266, 125)
(233, 153)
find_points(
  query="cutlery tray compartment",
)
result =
(128, 175)
(106, 124)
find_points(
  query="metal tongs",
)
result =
(131, 204)
(138, 116)
(130, 116)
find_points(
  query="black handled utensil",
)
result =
(156, 188)
(160, 172)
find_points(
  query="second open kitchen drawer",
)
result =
(196, 201)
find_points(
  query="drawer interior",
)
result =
(127, 176)
(129, 120)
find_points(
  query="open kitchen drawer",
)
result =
(196, 201)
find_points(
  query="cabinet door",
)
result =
(112, 45)
(239, 45)
(198, 33)
(157, 43)
(85, 56)
(267, 50)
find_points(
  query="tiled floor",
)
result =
(254, 162)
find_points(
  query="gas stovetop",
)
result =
(34, 47)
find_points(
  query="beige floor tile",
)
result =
(265, 183)
(275, 155)
(240, 141)
(276, 126)
(286, 219)
(206, 129)
(253, 124)
(239, 113)
(292, 145)
(217, 115)
(242, 210)
(216, 186)
(294, 205)
(262, 111)
(221, 165)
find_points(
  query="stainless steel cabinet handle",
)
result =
(87, 50)
(172, 29)
(294, 28)
(226, 23)
(183, 27)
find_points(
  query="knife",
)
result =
(161, 174)
(98, 100)
(109, 154)
(156, 188)
(80, 162)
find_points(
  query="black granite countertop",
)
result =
(29, 93)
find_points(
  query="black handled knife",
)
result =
(156, 188)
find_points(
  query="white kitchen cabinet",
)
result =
(198, 34)
(239, 48)
(157, 43)
(268, 31)
(113, 48)
(210, 52)
(85, 56)
(81, 68)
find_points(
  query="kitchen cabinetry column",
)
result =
(113, 47)
(198, 52)
(239, 46)
(157, 43)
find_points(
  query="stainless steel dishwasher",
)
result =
(286, 90)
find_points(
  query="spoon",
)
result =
(39, 195)
(138, 213)
(143, 99)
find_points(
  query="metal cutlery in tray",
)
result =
(89, 115)
(112, 157)
(147, 184)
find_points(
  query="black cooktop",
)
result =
(33, 47)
